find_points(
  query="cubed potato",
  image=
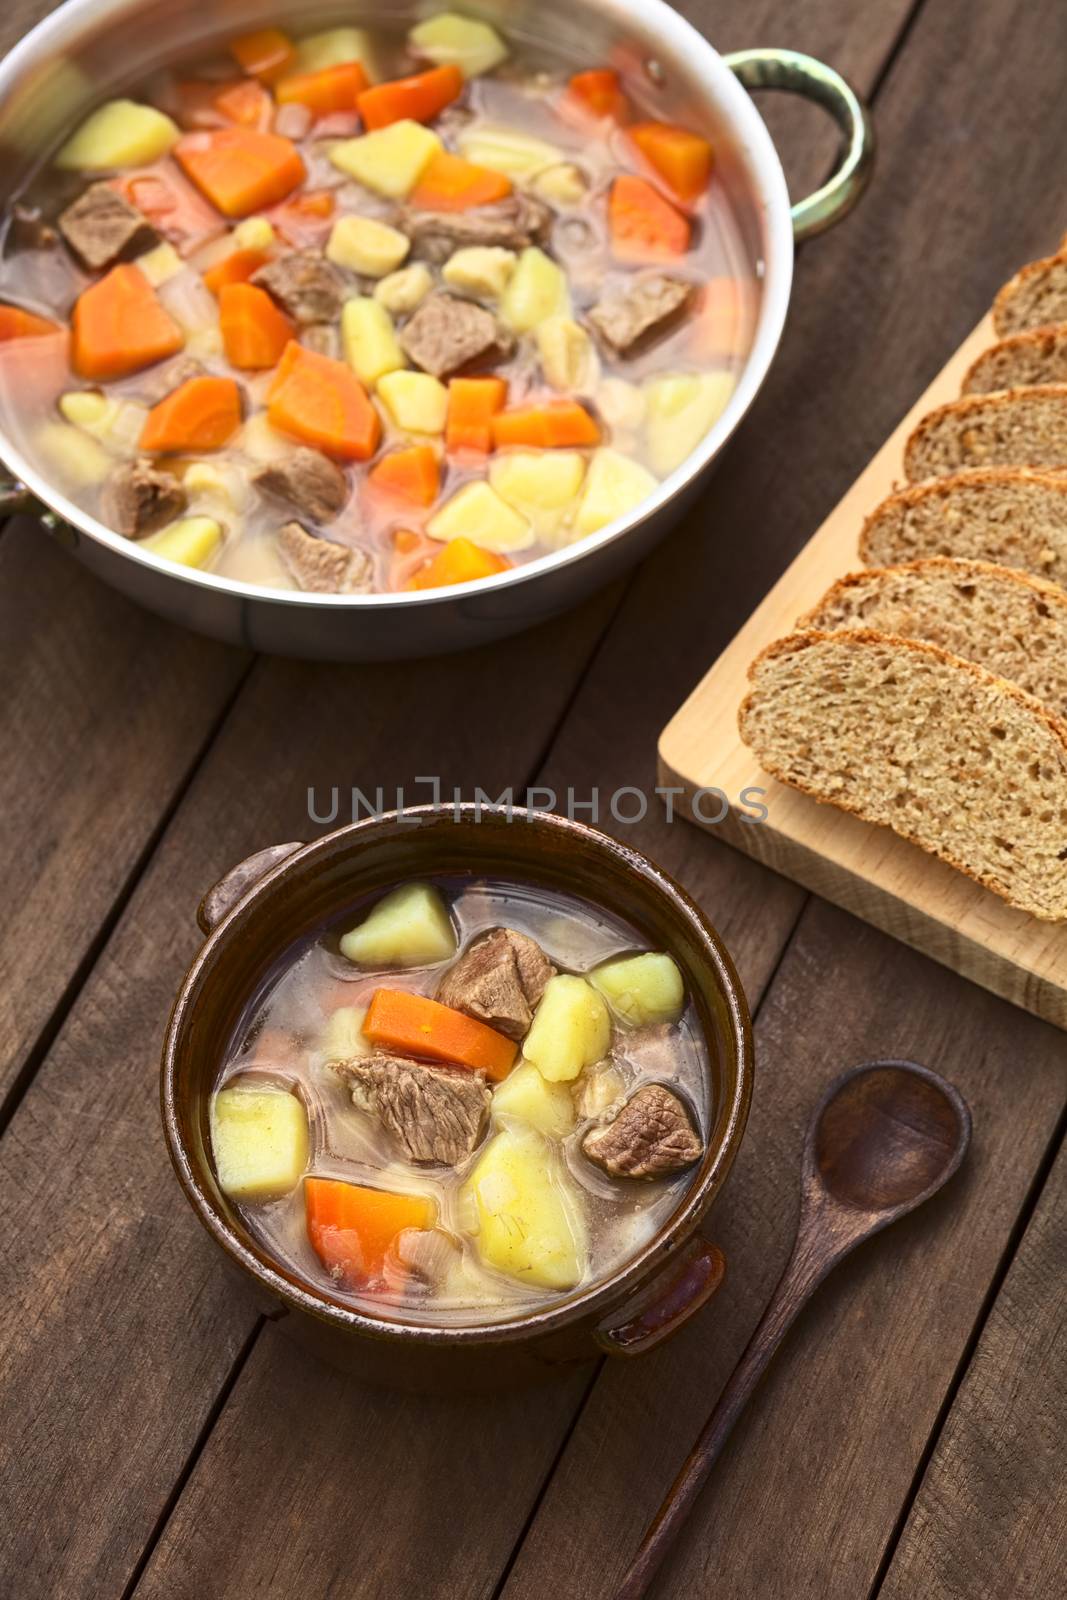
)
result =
(160, 264)
(480, 270)
(541, 485)
(119, 134)
(570, 1031)
(218, 482)
(568, 357)
(343, 1038)
(477, 512)
(191, 542)
(682, 407)
(390, 160)
(536, 290)
(369, 340)
(402, 291)
(254, 233)
(642, 989)
(262, 442)
(526, 1097)
(416, 402)
(79, 460)
(518, 156)
(117, 424)
(451, 40)
(334, 47)
(259, 1138)
(87, 408)
(622, 405)
(530, 1221)
(410, 927)
(563, 185)
(614, 485)
(367, 246)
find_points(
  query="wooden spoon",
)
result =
(885, 1137)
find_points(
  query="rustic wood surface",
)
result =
(164, 1438)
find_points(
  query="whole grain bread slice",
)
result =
(1038, 356)
(1010, 428)
(1034, 298)
(1010, 623)
(1012, 516)
(905, 735)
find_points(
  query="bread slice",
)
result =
(1034, 298)
(1011, 428)
(1010, 623)
(1011, 516)
(905, 735)
(1036, 357)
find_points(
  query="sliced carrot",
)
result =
(472, 405)
(239, 169)
(322, 402)
(644, 225)
(245, 102)
(412, 475)
(449, 183)
(201, 414)
(682, 159)
(600, 93)
(119, 326)
(332, 89)
(353, 1230)
(18, 324)
(267, 53)
(460, 561)
(237, 267)
(418, 98)
(254, 331)
(418, 1026)
(547, 426)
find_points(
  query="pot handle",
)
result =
(804, 75)
(221, 899)
(656, 1313)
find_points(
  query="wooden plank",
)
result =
(987, 1523)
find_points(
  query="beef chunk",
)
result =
(322, 565)
(307, 480)
(155, 385)
(644, 313)
(652, 1135)
(102, 227)
(435, 1114)
(138, 498)
(305, 284)
(513, 224)
(446, 334)
(499, 979)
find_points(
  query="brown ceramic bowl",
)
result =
(285, 893)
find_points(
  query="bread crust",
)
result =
(1045, 342)
(949, 483)
(968, 404)
(1008, 293)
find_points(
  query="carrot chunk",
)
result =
(644, 225)
(239, 169)
(412, 475)
(682, 159)
(119, 326)
(254, 331)
(332, 89)
(548, 426)
(419, 98)
(201, 414)
(461, 561)
(18, 324)
(600, 92)
(417, 1026)
(266, 53)
(245, 102)
(237, 267)
(449, 183)
(323, 403)
(472, 405)
(353, 1230)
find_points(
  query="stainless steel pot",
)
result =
(89, 48)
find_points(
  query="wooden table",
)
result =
(163, 1438)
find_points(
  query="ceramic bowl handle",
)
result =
(803, 75)
(221, 899)
(656, 1313)
(15, 499)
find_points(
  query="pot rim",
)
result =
(638, 1272)
(679, 40)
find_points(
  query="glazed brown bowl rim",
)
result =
(598, 1299)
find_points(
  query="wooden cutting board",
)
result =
(868, 870)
